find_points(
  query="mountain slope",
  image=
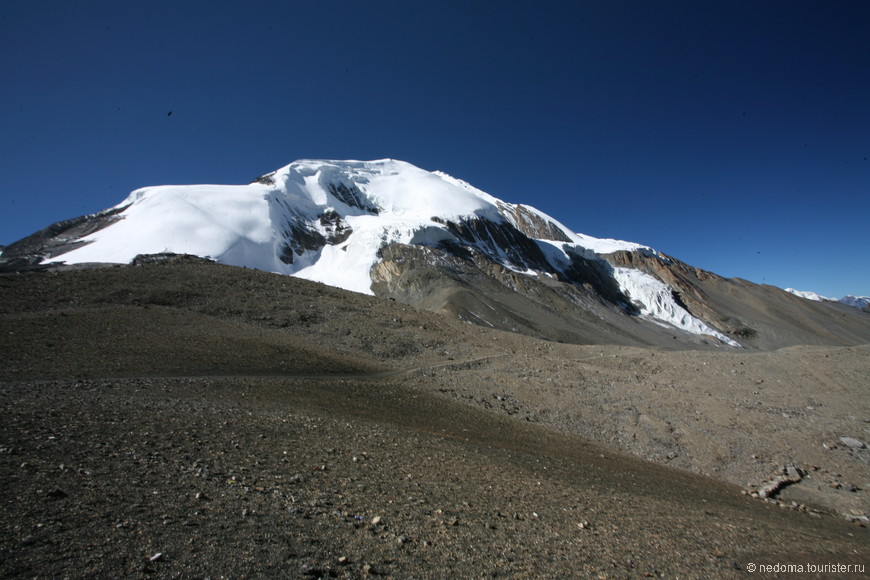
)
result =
(425, 238)
(235, 420)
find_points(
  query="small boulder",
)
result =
(852, 443)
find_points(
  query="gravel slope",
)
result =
(457, 469)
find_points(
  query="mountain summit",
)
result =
(392, 229)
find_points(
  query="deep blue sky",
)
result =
(733, 135)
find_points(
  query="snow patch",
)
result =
(609, 246)
(656, 299)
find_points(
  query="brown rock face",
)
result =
(571, 307)
(533, 225)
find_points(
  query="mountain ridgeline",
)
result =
(429, 240)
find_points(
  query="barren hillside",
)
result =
(185, 419)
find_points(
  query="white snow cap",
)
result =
(808, 295)
(394, 187)
(378, 202)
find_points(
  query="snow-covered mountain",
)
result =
(389, 228)
(322, 220)
(854, 301)
(808, 295)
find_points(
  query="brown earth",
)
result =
(186, 419)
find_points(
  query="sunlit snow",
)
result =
(808, 295)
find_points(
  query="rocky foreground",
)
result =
(192, 420)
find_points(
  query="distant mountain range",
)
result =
(855, 301)
(424, 238)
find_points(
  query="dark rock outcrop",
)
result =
(352, 196)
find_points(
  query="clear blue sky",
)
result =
(733, 135)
